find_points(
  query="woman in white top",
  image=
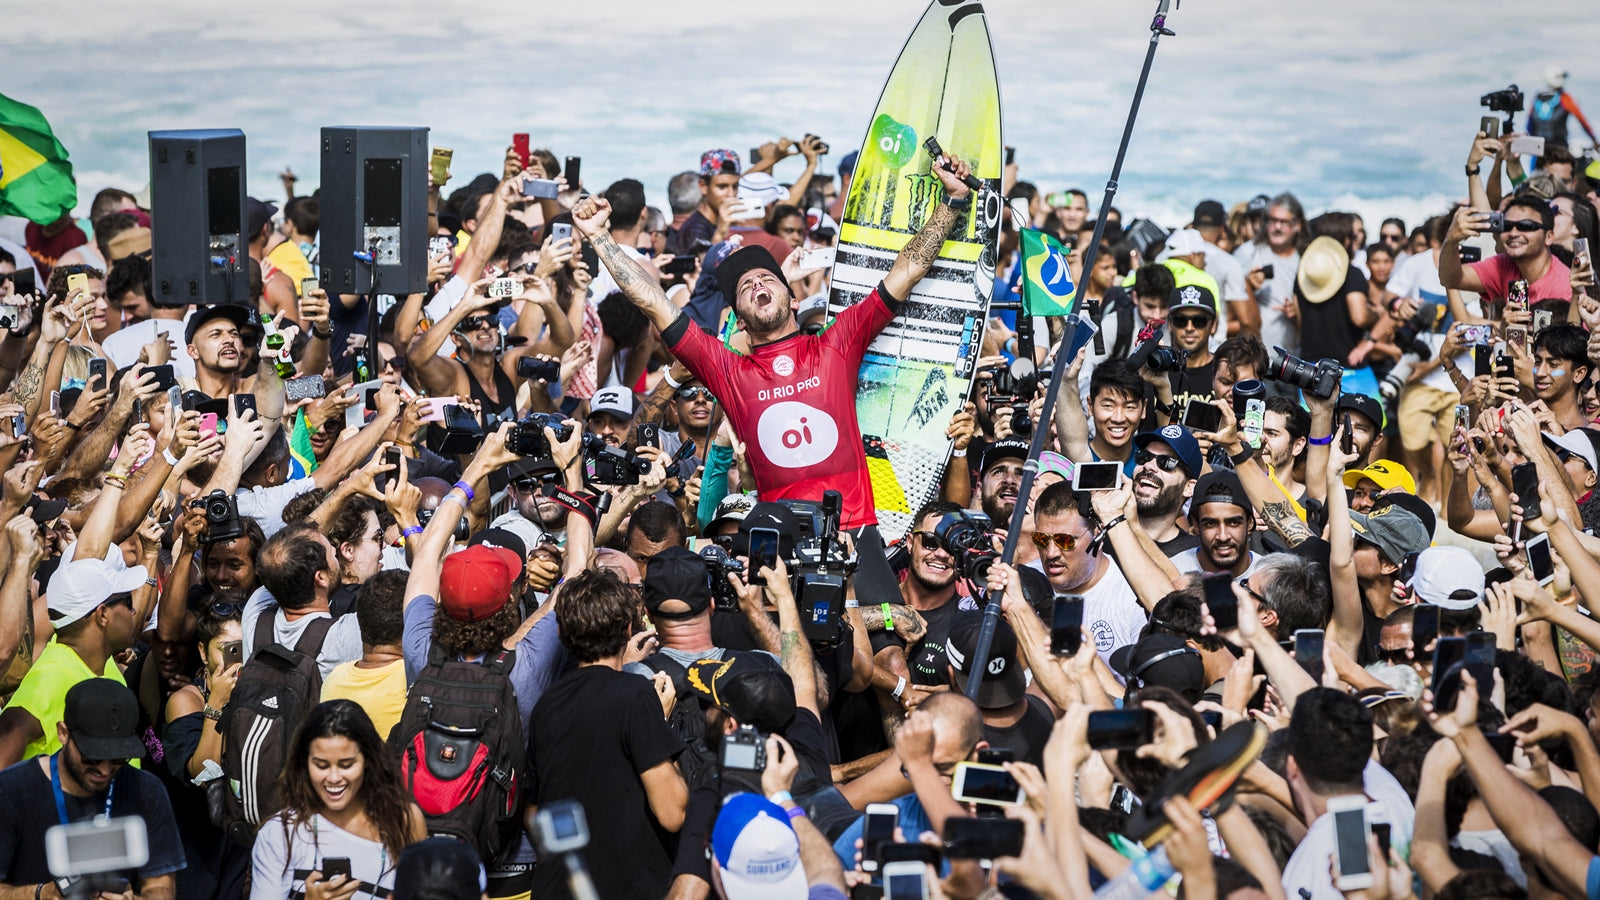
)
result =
(342, 800)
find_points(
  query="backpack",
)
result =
(1119, 302)
(698, 764)
(461, 750)
(276, 689)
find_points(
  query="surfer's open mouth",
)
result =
(1147, 481)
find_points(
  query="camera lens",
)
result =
(217, 508)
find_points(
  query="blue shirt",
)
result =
(913, 822)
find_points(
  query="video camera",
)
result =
(222, 517)
(1150, 352)
(1014, 386)
(612, 465)
(1506, 100)
(968, 536)
(819, 568)
(1319, 380)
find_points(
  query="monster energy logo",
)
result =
(924, 190)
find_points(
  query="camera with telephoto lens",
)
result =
(968, 536)
(1509, 100)
(612, 465)
(1149, 342)
(745, 750)
(526, 438)
(1167, 359)
(719, 565)
(222, 517)
(1320, 380)
(1406, 337)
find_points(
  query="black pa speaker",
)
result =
(199, 249)
(374, 228)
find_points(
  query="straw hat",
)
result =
(1323, 267)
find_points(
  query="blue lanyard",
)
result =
(61, 798)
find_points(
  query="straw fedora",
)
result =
(1323, 267)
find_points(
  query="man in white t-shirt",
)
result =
(298, 569)
(1222, 518)
(143, 322)
(627, 220)
(1277, 246)
(1111, 611)
(1240, 313)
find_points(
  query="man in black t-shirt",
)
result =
(1013, 719)
(88, 777)
(1192, 320)
(930, 591)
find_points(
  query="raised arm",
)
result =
(1346, 625)
(1467, 223)
(592, 217)
(917, 258)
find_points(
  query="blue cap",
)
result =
(1182, 443)
(847, 166)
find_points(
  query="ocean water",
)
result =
(1365, 105)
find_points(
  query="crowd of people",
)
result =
(529, 592)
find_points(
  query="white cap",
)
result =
(1555, 76)
(763, 187)
(77, 588)
(515, 522)
(757, 852)
(1185, 242)
(1443, 571)
(1578, 444)
(618, 401)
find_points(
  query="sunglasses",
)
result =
(1199, 321)
(532, 485)
(473, 323)
(928, 540)
(1164, 463)
(226, 609)
(1524, 225)
(692, 393)
(396, 362)
(1066, 542)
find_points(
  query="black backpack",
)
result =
(461, 750)
(1119, 302)
(276, 689)
(698, 764)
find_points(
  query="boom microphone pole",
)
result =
(991, 611)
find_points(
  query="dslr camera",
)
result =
(222, 517)
(745, 750)
(612, 465)
(1508, 100)
(1151, 353)
(719, 565)
(1320, 380)
(526, 438)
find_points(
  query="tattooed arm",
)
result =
(591, 217)
(1280, 517)
(918, 256)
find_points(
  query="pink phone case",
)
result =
(208, 425)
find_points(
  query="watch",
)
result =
(1473, 170)
(962, 205)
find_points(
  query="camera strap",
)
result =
(572, 502)
(61, 797)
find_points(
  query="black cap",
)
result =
(750, 686)
(43, 511)
(528, 466)
(677, 574)
(1219, 486)
(102, 718)
(1363, 404)
(775, 516)
(240, 316)
(500, 537)
(439, 868)
(1210, 214)
(1162, 659)
(742, 260)
(1003, 680)
(1010, 448)
(259, 213)
(1258, 204)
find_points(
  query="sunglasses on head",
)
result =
(1164, 463)
(226, 609)
(1066, 542)
(694, 392)
(1524, 225)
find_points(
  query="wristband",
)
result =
(899, 688)
(1473, 170)
(121, 481)
(961, 205)
(798, 812)
(671, 382)
(71, 425)
(465, 488)
(1244, 455)
(888, 624)
(166, 454)
(1113, 523)
(410, 530)
(781, 797)
(852, 603)
(957, 454)
(1321, 441)
(321, 335)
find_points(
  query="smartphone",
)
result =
(1066, 625)
(439, 164)
(1447, 651)
(97, 369)
(1475, 334)
(1199, 415)
(1470, 253)
(519, 143)
(1350, 842)
(165, 375)
(242, 402)
(1542, 319)
(306, 387)
(1424, 628)
(649, 435)
(504, 288)
(1121, 729)
(1527, 145)
(175, 401)
(23, 283)
(80, 281)
(905, 881)
(750, 209)
(1540, 563)
(1347, 444)
(19, 425)
(1479, 656)
(1496, 223)
(393, 459)
(541, 188)
(1525, 484)
(816, 259)
(878, 830)
(435, 409)
(232, 652)
(536, 369)
(208, 425)
(334, 866)
(1517, 334)
(1221, 602)
(763, 553)
(307, 285)
(988, 837)
(561, 231)
(1268, 271)
(1580, 252)
(1212, 718)
(1463, 417)
(1308, 651)
(1482, 361)
(985, 783)
(1504, 745)
(1011, 156)
(1489, 126)
(55, 404)
(1096, 476)
(571, 171)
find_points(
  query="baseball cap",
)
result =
(775, 516)
(1184, 242)
(847, 164)
(677, 574)
(751, 686)
(1591, 173)
(1161, 659)
(530, 534)
(439, 868)
(732, 508)
(475, 583)
(1394, 531)
(618, 401)
(1194, 296)
(1385, 473)
(1579, 442)
(719, 162)
(756, 851)
(742, 261)
(44, 511)
(1448, 577)
(1210, 214)
(501, 538)
(529, 466)
(761, 186)
(1413, 504)
(1182, 442)
(257, 214)
(1010, 448)
(240, 316)
(127, 243)
(812, 308)
(102, 717)
(1258, 204)
(1219, 486)
(1365, 405)
(1004, 682)
(79, 587)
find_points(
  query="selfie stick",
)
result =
(991, 612)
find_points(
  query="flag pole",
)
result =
(992, 612)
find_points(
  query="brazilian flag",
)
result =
(35, 177)
(1046, 280)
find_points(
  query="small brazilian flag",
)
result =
(35, 177)
(1047, 282)
(302, 458)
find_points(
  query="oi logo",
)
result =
(897, 143)
(794, 435)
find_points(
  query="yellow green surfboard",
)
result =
(918, 371)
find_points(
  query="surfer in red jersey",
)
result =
(792, 397)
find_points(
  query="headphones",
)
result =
(1136, 677)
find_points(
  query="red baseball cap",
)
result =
(475, 583)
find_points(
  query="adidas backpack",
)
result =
(460, 746)
(276, 689)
